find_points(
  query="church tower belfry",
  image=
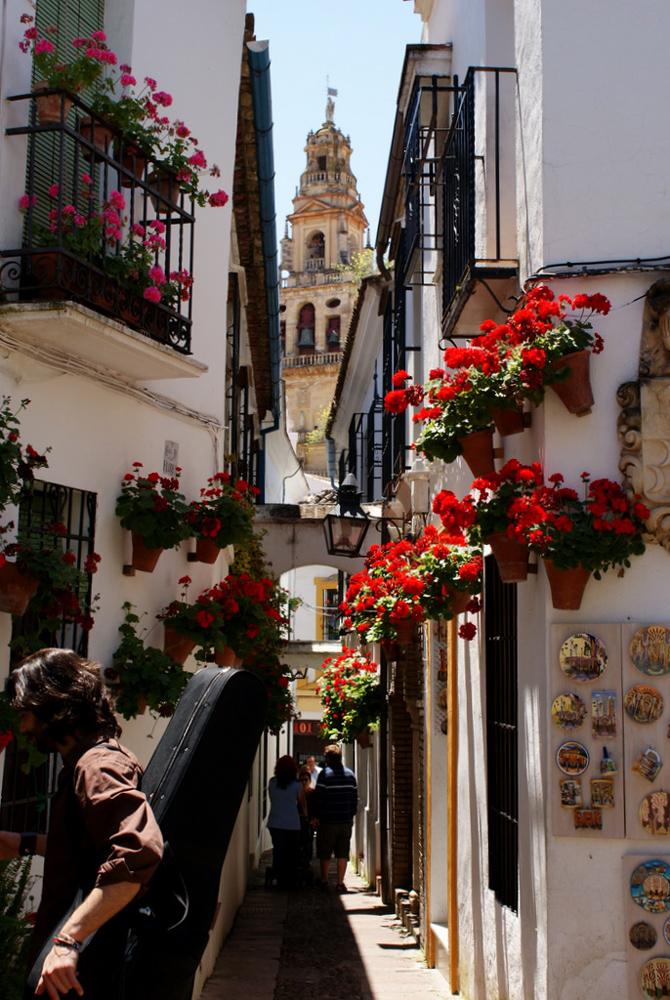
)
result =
(328, 227)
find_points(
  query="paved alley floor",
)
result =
(315, 943)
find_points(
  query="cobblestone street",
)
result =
(314, 943)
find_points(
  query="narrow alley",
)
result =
(315, 943)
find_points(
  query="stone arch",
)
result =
(306, 329)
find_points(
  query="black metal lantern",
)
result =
(345, 527)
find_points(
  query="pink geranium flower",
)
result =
(152, 294)
(218, 199)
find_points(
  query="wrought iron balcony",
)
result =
(93, 204)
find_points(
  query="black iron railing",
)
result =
(364, 455)
(80, 171)
(502, 754)
(465, 190)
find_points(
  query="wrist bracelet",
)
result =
(27, 844)
(68, 942)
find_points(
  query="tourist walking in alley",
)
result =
(334, 805)
(314, 770)
(287, 802)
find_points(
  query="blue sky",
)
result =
(360, 45)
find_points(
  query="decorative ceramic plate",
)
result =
(650, 886)
(643, 703)
(603, 714)
(655, 978)
(650, 650)
(582, 657)
(654, 813)
(568, 710)
(572, 758)
(643, 936)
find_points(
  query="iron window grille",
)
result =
(500, 611)
(24, 804)
(49, 265)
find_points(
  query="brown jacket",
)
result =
(101, 831)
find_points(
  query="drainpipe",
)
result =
(261, 93)
(332, 462)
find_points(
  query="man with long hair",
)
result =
(103, 839)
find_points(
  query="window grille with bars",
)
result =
(24, 804)
(500, 610)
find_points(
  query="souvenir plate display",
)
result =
(571, 793)
(650, 650)
(603, 714)
(588, 723)
(643, 703)
(582, 657)
(568, 710)
(650, 885)
(655, 978)
(654, 813)
(643, 936)
(572, 758)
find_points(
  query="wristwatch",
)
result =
(27, 844)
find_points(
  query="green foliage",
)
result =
(318, 435)
(350, 695)
(15, 929)
(362, 265)
(17, 464)
(224, 512)
(153, 507)
(143, 672)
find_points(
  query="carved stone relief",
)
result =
(644, 421)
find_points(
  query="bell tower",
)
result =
(319, 286)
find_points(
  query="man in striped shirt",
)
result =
(333, 806)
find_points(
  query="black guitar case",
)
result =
(195, 782)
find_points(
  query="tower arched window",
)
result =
(306, 329)
(333, 333)
(315, 252)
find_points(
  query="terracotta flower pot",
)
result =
(459, 600)
(176, 645)
(144, 558)
(364, 739)
(508, 421)
(167, 186)
(48, 106)
(97, 134)
(134, 162)
(574, 391)
(16, 589)
(142, 704)
(477, 451)
(391, 648)
(225, 657)
(511, 557)
(567, 585)
(405, 631)
(206, 550)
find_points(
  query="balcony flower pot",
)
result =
(364, 739)
(459, 600)
(165, 184)
(511, 557)
(49, 106)
(206, 550)
(574, 391)
(16, 589)
(144, 558)
(226, 657)
(508, 422)
(134, 162)
(477, 449)
(405, 631)
(176, 645)
(97, 133)
(567, 585)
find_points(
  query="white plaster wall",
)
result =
(300, 583)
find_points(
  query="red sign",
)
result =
(306, 727)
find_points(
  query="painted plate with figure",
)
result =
(655, 978)
(583, 657)
(650, 886)
(568, 710)
(654, 813)
(650, 650)
(572, 758)
(643, 936)
(643, 703)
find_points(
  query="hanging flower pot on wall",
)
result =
(508, 421)
(16, 589)
(144, 558)
(206, 550)
(477, 449)
(567, 585)
(511, 557)
(177, 646)
(364, 739)
(574, 391)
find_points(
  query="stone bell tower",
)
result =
(318, 292)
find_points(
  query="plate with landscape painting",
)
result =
(582, 657)
(572, 758)
(650, 650)
(643, 703)
(568, 710)
(655, 978)
(650, 886)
